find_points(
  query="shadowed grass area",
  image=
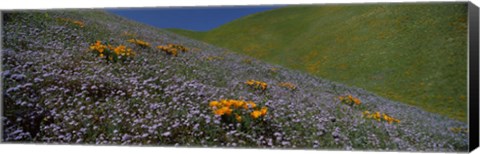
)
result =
(413, 53)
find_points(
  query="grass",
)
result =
(413, 53)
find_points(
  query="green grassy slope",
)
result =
(413, 53)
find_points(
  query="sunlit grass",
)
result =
(412, 53)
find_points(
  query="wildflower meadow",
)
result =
(91, 77)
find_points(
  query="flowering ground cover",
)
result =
(58, 88)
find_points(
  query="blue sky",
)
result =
(190, 18)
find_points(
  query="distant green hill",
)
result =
(413, 53)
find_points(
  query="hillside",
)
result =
(412, 53)
(59, 88)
